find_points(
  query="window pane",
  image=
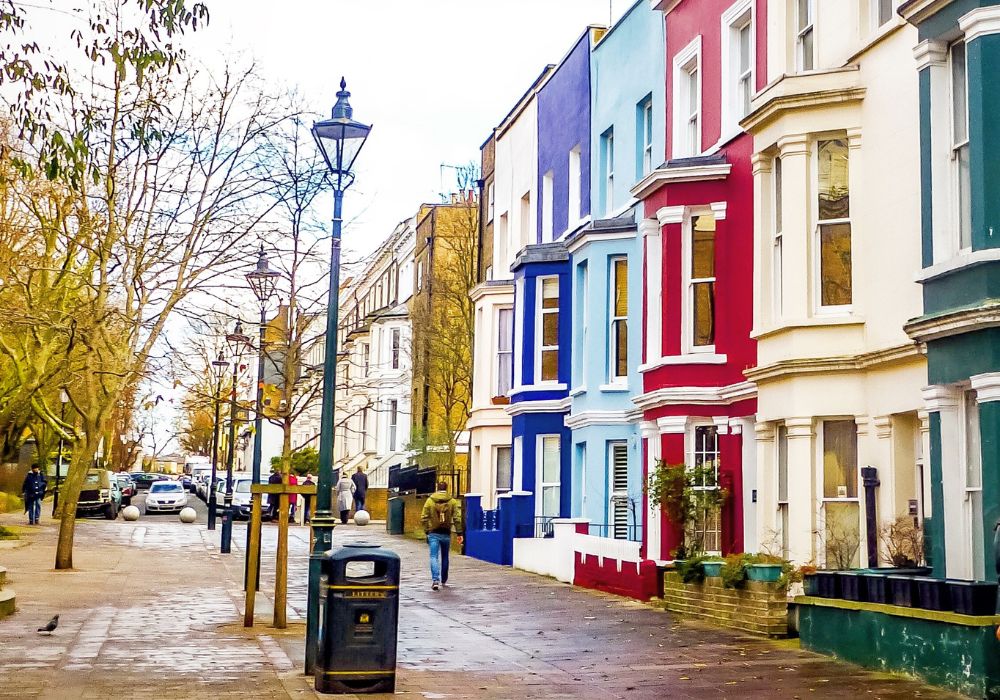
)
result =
(550, 460)
(505, 372)
(505, 473)
(703, 246)
(804, 15)
(777, 194)
(744, 39)
(835, 264)
(807, 50)
(550, 365)
(840, 459)
(550, 293)
(959, 93)
(621, 287)
(842, 534)
(505, 320)
(550, 329)
(550, 501)
(621, 348)
(973, 448)
(704, 313)
(884, 11)
(782, 443)
(964, 196)
(834, 192)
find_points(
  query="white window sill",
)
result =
(614, 387)
(694, 358)
(960, 261)
(544, 386)
(576, 391)
(819, 321)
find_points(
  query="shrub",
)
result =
(734, 571)
(692, 570)
(9, 503)
(7, 533)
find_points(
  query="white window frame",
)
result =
(686, 62)
(614, 320)
(690, 440)
(496, 467)
(501, 246)
(540, 485)
(801, 31)
(396, 340)
(645, 136)
(777, 241)
(574, 194)
(608, 163)
(616, 495)
(739, 15)
(524, 235)
(490, 202)
(392, 424)
(366, 353)
(959, 144)
(876, 8)
(548, 183)
(687, 311)
(782, 503)
(973, 559)
(817, 262)
(820, 480)
(539, 312)
(500, 352)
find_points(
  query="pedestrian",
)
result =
(307, 500)
(360, 480)
(294, 498)
(273, 498)
(345, 488)
(441, 515)
(33, 489)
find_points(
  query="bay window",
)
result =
(705, 459)
(505, 352)
(619, 319)
(833, 228)
(547, 359)
(841, 512)
(547, 503)
(960, 143)
(700, 250)
(804, 48)
(972, 457)
(777, 258)
(504, 464)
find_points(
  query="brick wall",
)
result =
(376, 503)
(758, 608)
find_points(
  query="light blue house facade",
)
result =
(627, 142)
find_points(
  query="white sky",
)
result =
(432, 76)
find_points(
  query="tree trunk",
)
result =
(281, 565)
(83, 455)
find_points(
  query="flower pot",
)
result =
(829, 584)
(876, 587)
(901, 590)
(973, 597)
(764, 572)
(810, 584)
(852, 586)
(713, 569)
(932, 593)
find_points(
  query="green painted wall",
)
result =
(964, 658)
(989, 432)
(945, 21)
(936, 526)
(926, 188)
(984, 140)
(967, 287)
(958, 357)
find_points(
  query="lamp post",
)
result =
(63, 399)
(339, 139)
(219, 367)
(236, 341)
(263, 281)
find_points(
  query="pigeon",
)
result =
(52, 624)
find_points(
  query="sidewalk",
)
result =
(154, 612)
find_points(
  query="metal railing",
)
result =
(631, 533)
(543, 526)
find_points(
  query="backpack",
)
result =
(442, 515)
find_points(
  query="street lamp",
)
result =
(340, 140)
(63, 399)
(237, 342)
(219, 367)
(263, 281)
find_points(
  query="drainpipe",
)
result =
(869, 479)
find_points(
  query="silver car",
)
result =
(166, 497)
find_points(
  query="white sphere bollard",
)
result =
(188, 515)
(362, 517)
(131, 513)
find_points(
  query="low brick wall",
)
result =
(376, 501)
(758, 608)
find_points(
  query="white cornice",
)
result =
(543, 406)
(953, 323)
(916, 11)
(692, 173)
(987, 386)
(848, 363)
(648, 228)
(959, 262)
(585, 419)
(694, 358)
(671, 215)
(672, 425)
(592, 236)
(939, 397)
(980, 22)
(696, 395)
(483, 290)
(719, 210)
(930, 52)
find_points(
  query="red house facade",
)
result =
(697, 407)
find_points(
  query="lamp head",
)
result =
(263, 280)
(340, 138)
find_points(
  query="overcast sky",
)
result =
(433, 76)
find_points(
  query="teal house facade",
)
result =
(958, 59)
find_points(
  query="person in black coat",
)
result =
(33, 489)
(273, 498)
(360, 480)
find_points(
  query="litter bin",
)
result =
(394, 523)
(358, 621)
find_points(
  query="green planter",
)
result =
(713, 569)
(764, 572)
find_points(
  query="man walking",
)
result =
(33, 489)
(307, 500)
(360, 480)
(272, 498)
(441, 515)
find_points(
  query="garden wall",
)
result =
(758, 608)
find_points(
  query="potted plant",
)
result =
(712, 567)
(692, 570)
(765, 568)
(901, 589)
(973, 597)
(932, 593)
(686, 495)
(734, 570)
(903, 542)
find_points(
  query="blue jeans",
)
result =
(359, 503)
(34, 510)
(440, 547)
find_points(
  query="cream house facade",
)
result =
(837, 249)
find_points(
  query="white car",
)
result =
(241, 496)
(166, 497)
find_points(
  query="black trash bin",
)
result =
(358, 621)
(394, 523)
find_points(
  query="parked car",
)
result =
(100, 494)
(166, 497)
(202, 486)
(127, 487)
(185, 480)
(143, 480)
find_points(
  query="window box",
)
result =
(901, 590)
(764, 572)
(933, 593)
(973, 597)
(852, 586)
(500, 400)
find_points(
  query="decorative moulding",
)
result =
(987, 387)
(665, 176)
(980, 22)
